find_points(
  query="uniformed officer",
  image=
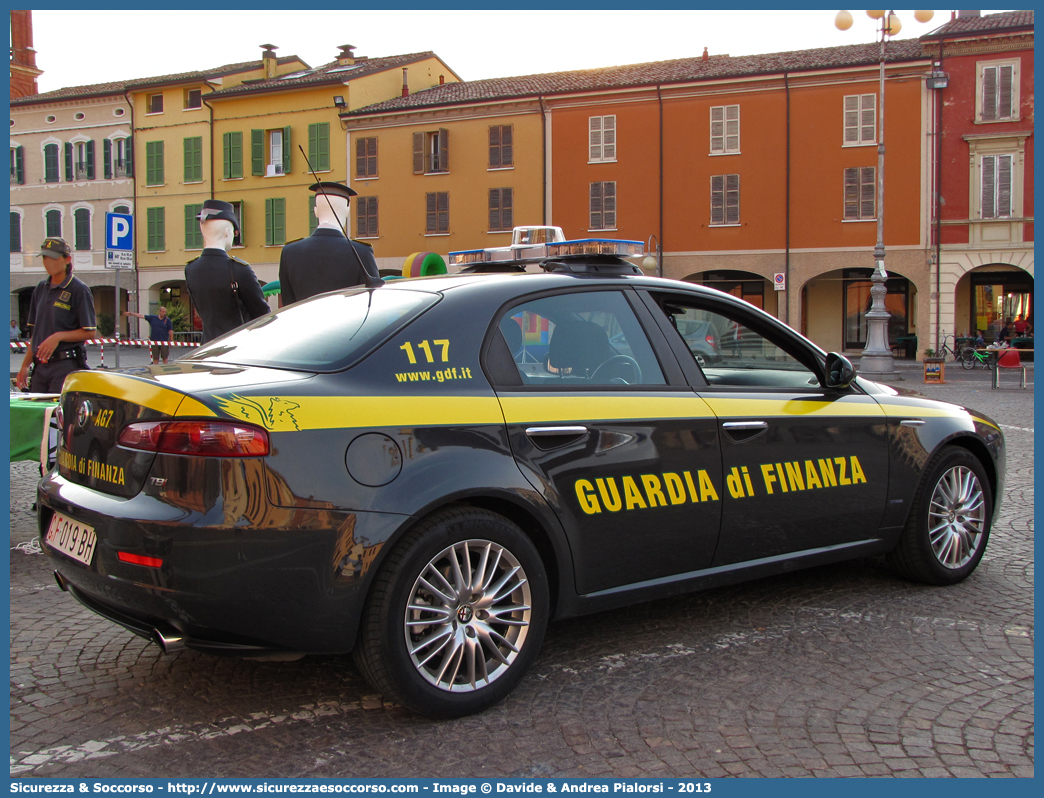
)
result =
(61, 315)
(327, 260)
(224, 289)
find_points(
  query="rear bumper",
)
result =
(221, 588)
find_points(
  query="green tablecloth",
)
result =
(27, 426)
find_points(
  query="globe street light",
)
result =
(877, 355)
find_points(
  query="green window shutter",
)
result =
(319, 146)
(268, 222)
(235, 155)
(154, 163)
(193, 235)
(279, 221)
(107, 158)
(313, 146)
(226, 155)
(286, 151)
(19, 167)
(16, 232)
(130, 156)
(82, 229)
(156, 229)
(90, 160)
(313, 222)
(193, 159)
(51, 163)
(257, 152)
(68, 161)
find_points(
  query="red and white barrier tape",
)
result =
(19, 346)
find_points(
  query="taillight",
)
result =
(139, 559)
(203, 438)
(711, 340)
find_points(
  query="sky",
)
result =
(474, 43)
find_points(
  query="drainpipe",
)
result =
(659, 260)
(211, 109)
(134, 212)
(543, 159)
(786, 257)
(938, 207)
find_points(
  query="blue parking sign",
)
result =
(119, 231)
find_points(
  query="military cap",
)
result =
(219, 209)
(54, 247)
(334, 189)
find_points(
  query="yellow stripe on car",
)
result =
(145, 393)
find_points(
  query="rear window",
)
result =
(328, 333)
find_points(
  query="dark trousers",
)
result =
(48, 377)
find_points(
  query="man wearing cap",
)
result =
(327, 260)
(224, 289)
(61, 316)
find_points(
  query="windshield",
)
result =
(328, 333)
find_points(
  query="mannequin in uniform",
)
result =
(327, 260)
(224, 289)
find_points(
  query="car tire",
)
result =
(949, 524)
(446, 639)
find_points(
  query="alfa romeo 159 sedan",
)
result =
(425, 474)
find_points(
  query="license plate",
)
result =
(71, 538)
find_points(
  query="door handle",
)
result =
(742, 431)
(554, 432)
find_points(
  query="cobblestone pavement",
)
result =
(838, 671)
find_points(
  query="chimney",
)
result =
(23, 57)
(961, 14)
(706, 55)
(346, 57)
(442, 79)
(268, 59)
(405, 85)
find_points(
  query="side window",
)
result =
(580, 340)
(732, 354)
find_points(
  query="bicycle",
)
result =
(945, 348)
(970, 356)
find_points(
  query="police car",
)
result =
(427, 473)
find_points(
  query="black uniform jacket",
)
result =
(210, 286)
(325, 262)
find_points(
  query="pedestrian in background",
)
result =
(225, 290)
(327, 260)
(15, 332)
(161, 328)
(61, 316)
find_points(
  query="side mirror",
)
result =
(839, 371)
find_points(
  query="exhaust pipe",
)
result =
(61, 582)
(170, 642)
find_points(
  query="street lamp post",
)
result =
(649, 262)
(877, 355)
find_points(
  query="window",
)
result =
(53, 223)
(366, 157)
(998, 92)
(194, 160)
(237, 208)
(270, 152)
(996, 187)
(83, 155)
(193, 234)
(79, 116)
(82, 229)
(724, 129)
(579, 340)
(603, 206)
(118, 158)
(51, 163)
(156, 229)
(319, 146)
(366, 217)
(17, 167)
(725, 199)
(154, 104)
(602, 138)
(16, 232)
(154, 163)
(861, 193)
(431, 152)
(193, 99)
(860, 119)
(501, 153)
(437, 213)
(121, 209)
(275, 222)
(232, 144)
(500, 204)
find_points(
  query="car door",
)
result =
(614, 440)
(804, 467)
